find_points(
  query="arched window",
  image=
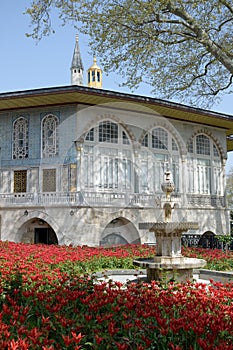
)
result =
(203, 145)
(204, 166)
(49, 136)
(107, 158)
(20, 138)
(159, 139)
(159, 153)
(108, 132)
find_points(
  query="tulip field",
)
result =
(50, 300)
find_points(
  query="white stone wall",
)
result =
(90, 225)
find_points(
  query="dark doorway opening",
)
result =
(208, 240)
(45, 235)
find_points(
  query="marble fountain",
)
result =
(169, 263)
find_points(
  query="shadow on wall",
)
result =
(119, 231)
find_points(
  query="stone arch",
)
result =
(165, 124)
(31, 220)
(110, 117)
(210, 135)
(119, 231)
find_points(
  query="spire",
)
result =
(95, 75)
(77, 66)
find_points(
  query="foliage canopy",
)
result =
(181, 48)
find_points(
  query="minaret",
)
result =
(95, 76)
(77, 66)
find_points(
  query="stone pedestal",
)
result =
(166, 268)
(165, 275)
(168, 263)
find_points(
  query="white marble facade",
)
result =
(79, 174)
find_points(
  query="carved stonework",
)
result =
(197, 200)
(49, 180)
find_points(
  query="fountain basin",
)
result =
(168, 236)
(166, 268)
(168, 227)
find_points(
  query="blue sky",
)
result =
(25, 64)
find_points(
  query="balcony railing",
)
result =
(106, 199)
(83, 198)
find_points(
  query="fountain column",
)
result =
(169, 263)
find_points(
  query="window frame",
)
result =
(24, 174)
(106, 159)
(20, 151)
(49, 137)
(204, 168)
(156, 160)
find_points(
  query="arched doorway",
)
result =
(119, 231)
(37, 231)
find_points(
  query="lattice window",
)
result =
(159, 138)
(49, 180)
(202, 144)
(49, 136)
(20, 139)
(108, 132)
(20, 181)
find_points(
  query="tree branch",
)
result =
(227, 5)
(217, 91)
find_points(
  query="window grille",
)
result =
(20, 138)
(49, 180)
(20, 181)
(49, 136)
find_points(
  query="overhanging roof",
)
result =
(79, 94)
